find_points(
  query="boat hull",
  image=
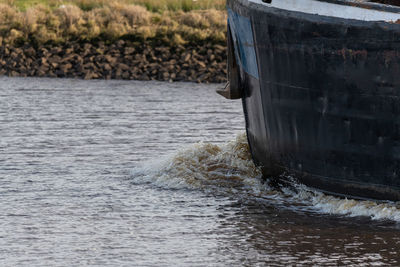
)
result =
(321, 97)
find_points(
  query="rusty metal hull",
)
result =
(321, 97)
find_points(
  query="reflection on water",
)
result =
(126, 173)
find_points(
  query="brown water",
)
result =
(123, 173)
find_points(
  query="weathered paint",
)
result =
(243, 40)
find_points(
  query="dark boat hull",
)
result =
(321, 98)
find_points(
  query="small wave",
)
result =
(349, 207)
(202, 165)
(229, 168)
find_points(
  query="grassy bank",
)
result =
(166, 22)
(151, 5)
(167, 40)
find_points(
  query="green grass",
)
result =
(185, 5)
(172, 22)
(151, 5)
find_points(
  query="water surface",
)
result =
(123, 173)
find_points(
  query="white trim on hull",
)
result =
(332, 10)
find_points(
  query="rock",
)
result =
(201, 64)
(13, 74)
(60, 73)
(100, 51)
(65, 67)
(219, 49)
(89, 75)
(99, 59)
(15, 55)
(69, 51)
(123, 66)
(114, 52)
(44, 52)
(41, 72)
(31, 72)
(51, 74)
(120, 43)
(144, 77)
(87, 46)
(107, 67)
(129, 50)
(186, 57)
(110, 59)
(22, 69)
(89, 66)
(118, 74)
(172, 62)
(128, 59)
(28, 61)
(90, 58)
(78, 59)
(30, 52)
(44, 68)
(68, 57)
(165, 76)
(6, 51)
(121, 60)
(56, 50)
(54, 59)
(126, 75)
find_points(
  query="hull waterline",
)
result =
(321, 92)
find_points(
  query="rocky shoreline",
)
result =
(121, 60)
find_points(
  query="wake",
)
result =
(229, 169)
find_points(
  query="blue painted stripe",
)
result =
(242, 35)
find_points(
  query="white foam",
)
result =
(343, 206)
(229, 168)
(203, 164)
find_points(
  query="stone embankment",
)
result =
(121, 60)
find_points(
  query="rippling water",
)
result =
(122, 173)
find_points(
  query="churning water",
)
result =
(122, 173)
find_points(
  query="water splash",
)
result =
(229, 168)
(204, 164)
(349, 207)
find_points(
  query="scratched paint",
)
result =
(243, 40)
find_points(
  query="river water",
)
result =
(125, 173)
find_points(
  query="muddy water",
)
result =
(156, 174)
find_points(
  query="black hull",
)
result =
(323, 101)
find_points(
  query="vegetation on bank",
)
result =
(151, 5)
(166, 22)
